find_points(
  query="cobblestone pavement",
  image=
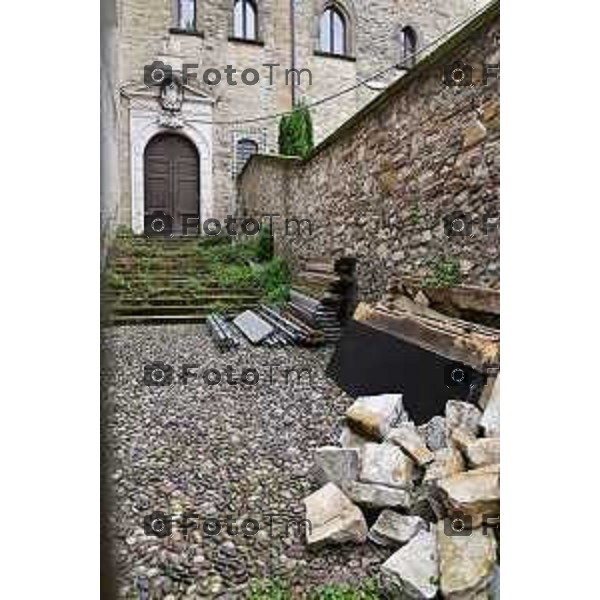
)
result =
(235, 454)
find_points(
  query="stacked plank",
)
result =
(322, 296)
(223, 333)
(320, 301)
(466, 302)
(263, 326)
(292, 330)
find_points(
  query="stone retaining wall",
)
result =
(381, 185)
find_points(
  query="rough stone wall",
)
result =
(380, 187)
(144, 27)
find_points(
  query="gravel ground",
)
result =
(232, 453)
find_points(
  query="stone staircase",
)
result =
(165, 281)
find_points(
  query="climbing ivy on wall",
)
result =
(295, 132)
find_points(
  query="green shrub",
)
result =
(270, 589)
(444, 272)
(115, 281)
(123, 231)
(276, 589)
(264, 244)
(213, 240)
(295, 133)
(219, 254)
(367, 591)
(275, 279)
(195, 286)
(235, 276)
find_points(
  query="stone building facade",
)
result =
(341, 43)
(109, 101)
(410, 182)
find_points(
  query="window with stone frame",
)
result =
(408, 47)
(333, 32)
(245, 21)
(244, 149)
(186, 15)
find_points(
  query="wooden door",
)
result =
(172, 182)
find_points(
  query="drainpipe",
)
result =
(293, 50)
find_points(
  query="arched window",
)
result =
(244, 20)
(245, 148)
(333, 32)
(408, 47)
(186, 17)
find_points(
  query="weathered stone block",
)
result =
(413, 571)
(386, 464)
(333, 518)
(434, 433)
(474, 493)
(394, 529)
(462, 414)
(448, 462)
(374, 416)
(490, 420)
(373, 496)
(483, 452)
(467, 563)
(349, 439)
(338, 465)
(460, 438)
(407, 437)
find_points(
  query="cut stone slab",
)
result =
(252, 326)
(386, 464)
(475, 493)
(490, 420)
(373, 497)
(338, 465)
(413, 571)
(349, 439)
(462, 414)
(407, 437)
(333, 518)
(448, 462)
(467, 563)
(374, 416)
(394, 529)
(434, 433)
(483, 452)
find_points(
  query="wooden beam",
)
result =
(467, 343)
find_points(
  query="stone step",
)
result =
(159, 263)
(159, 319)
(183, 301)
(183, 291)
(204, 308)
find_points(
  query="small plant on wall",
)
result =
(443, 272)
(295, 132)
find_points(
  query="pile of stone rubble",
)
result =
(430, 493)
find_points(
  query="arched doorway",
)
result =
(171, 178)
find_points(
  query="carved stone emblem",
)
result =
(171, 96)
(170, 120)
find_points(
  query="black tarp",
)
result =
(367, 362)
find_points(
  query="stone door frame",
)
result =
(147, 119)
